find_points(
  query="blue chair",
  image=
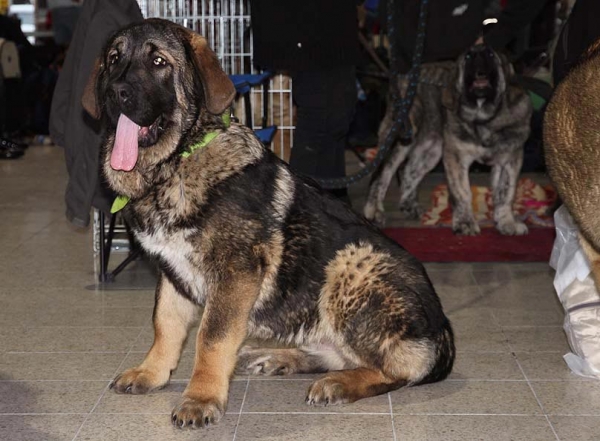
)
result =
(243, 85)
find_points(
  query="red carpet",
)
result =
(439, 244)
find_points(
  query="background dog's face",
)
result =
(481, 74)
(155, 83)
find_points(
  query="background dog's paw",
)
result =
(515, 228)
(196, 413)
(466, 228)
(137, 381)
(411, 210)
(375, 214)
(327, 392)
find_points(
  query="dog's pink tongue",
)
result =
(125, 151)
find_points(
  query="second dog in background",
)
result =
(487, 120)
(471, 111)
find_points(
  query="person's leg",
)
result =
(325, 102)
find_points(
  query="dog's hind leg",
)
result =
(504, 184)
(424, 157)
(385, 321)
(173, 317)
(373, 209)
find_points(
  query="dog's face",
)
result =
(155, 86)
(481, 75)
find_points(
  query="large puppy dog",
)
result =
(488, 121)
(424, 151)
(266, 254)
(571, 140)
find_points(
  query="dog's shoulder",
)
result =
(228, 154)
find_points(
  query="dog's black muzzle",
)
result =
(480, 72)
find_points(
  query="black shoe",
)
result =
(10, 150)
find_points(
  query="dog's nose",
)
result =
(123, 92)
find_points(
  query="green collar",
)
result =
(120, 201)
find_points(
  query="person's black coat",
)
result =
(304, 35)
(580, 31)
(70, 126)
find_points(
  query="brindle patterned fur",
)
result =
(490, 129)
(267, 254)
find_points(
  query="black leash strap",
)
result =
(401, 129)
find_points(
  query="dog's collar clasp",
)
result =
(121, 201)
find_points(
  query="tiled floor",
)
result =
(61, 343)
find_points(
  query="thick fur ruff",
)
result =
(265, 253)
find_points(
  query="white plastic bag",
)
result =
(578, 294)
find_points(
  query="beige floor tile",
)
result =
(486, 366)
(576, 428)
(472, 428)
(76, 316)
(24, 278)
(546, 366)
(479, 339)
(127, 427)
(287, 395)
(162, 401)
(455, 299)
(537, 339)
(128, 299)
(314, 427)
(473, 316)
(39, 427)
(59, 366)
(467, 397)
(67, 339)
(569, 397)
(528, 317)
(455, 277)
(49, 396)
(517, 279)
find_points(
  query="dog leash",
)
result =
(121, 201)
(401, 128)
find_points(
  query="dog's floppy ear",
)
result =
(89, 100)
(218, 88)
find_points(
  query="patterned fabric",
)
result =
(531, 205)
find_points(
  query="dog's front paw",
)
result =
(514, 228)
(466, 228)
(138, 381)
(327, 392)
(195, 413)
(375, 214)
(411, 210)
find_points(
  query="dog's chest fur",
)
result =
(177, 256)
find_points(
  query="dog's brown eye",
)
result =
(113, 58)
(159, 61)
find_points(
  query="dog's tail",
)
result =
(445, 353)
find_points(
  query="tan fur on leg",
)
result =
(222, 332)
(173, 317)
